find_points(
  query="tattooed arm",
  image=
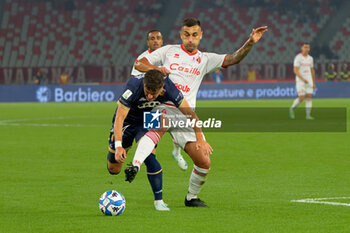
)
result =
(238, 56)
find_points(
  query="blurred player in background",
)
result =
(305, 80)
(186, 67)
(155, 41)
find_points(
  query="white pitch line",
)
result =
(322, 201)
(14, 122)
(49, 125)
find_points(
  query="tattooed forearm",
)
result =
(238, 56)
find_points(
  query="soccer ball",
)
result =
(112, 203)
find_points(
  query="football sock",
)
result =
(145, 147)
(155, 176)
(295, 103)
(197, 180)
(177, 149)
(308, 107)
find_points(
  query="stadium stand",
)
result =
(341, 41)
(54, 33)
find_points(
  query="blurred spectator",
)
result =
(218, 76)
(330, 74)
(252, 75)
(39, 78)
(64, 78)
(345, 73)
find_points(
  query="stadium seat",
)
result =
(44, 33)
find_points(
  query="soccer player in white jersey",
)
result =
(186, 66)
(155, 41)
(305, 80)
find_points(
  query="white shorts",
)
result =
(180, 135)
(303, 88)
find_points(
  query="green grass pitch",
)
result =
(53, 170)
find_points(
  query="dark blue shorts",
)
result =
(130, 132)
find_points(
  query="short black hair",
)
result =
(153, 30)
(189, 22)
(303, 43)
(153, 80)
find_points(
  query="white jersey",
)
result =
(134, 71)
(305, 64)
(186, 69)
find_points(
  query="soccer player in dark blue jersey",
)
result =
(143, 93)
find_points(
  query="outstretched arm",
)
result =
(241, 53)
(143, 65)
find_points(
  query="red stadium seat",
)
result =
(97, 31)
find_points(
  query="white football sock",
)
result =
(308, 107)
(295, 103)
(177, 149)
(145, 148)
(197, 180)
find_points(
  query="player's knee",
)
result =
(113, 166)
(301, 98)
(204, 163)
(207, 163)
(113, 170)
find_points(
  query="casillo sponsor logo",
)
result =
(182, 87)
(175, 66)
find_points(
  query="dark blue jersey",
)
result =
(134, 98)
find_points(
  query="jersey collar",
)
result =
(149, 51)
(191, 54)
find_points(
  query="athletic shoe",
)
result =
(161, 206)
(130, 172)
(195, 202)
(180, 161)
(291, 114)
(310, 118)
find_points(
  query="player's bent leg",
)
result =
(198, 176)
(148, 142)
(197, 156)
(132, 170)
(146, 145)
